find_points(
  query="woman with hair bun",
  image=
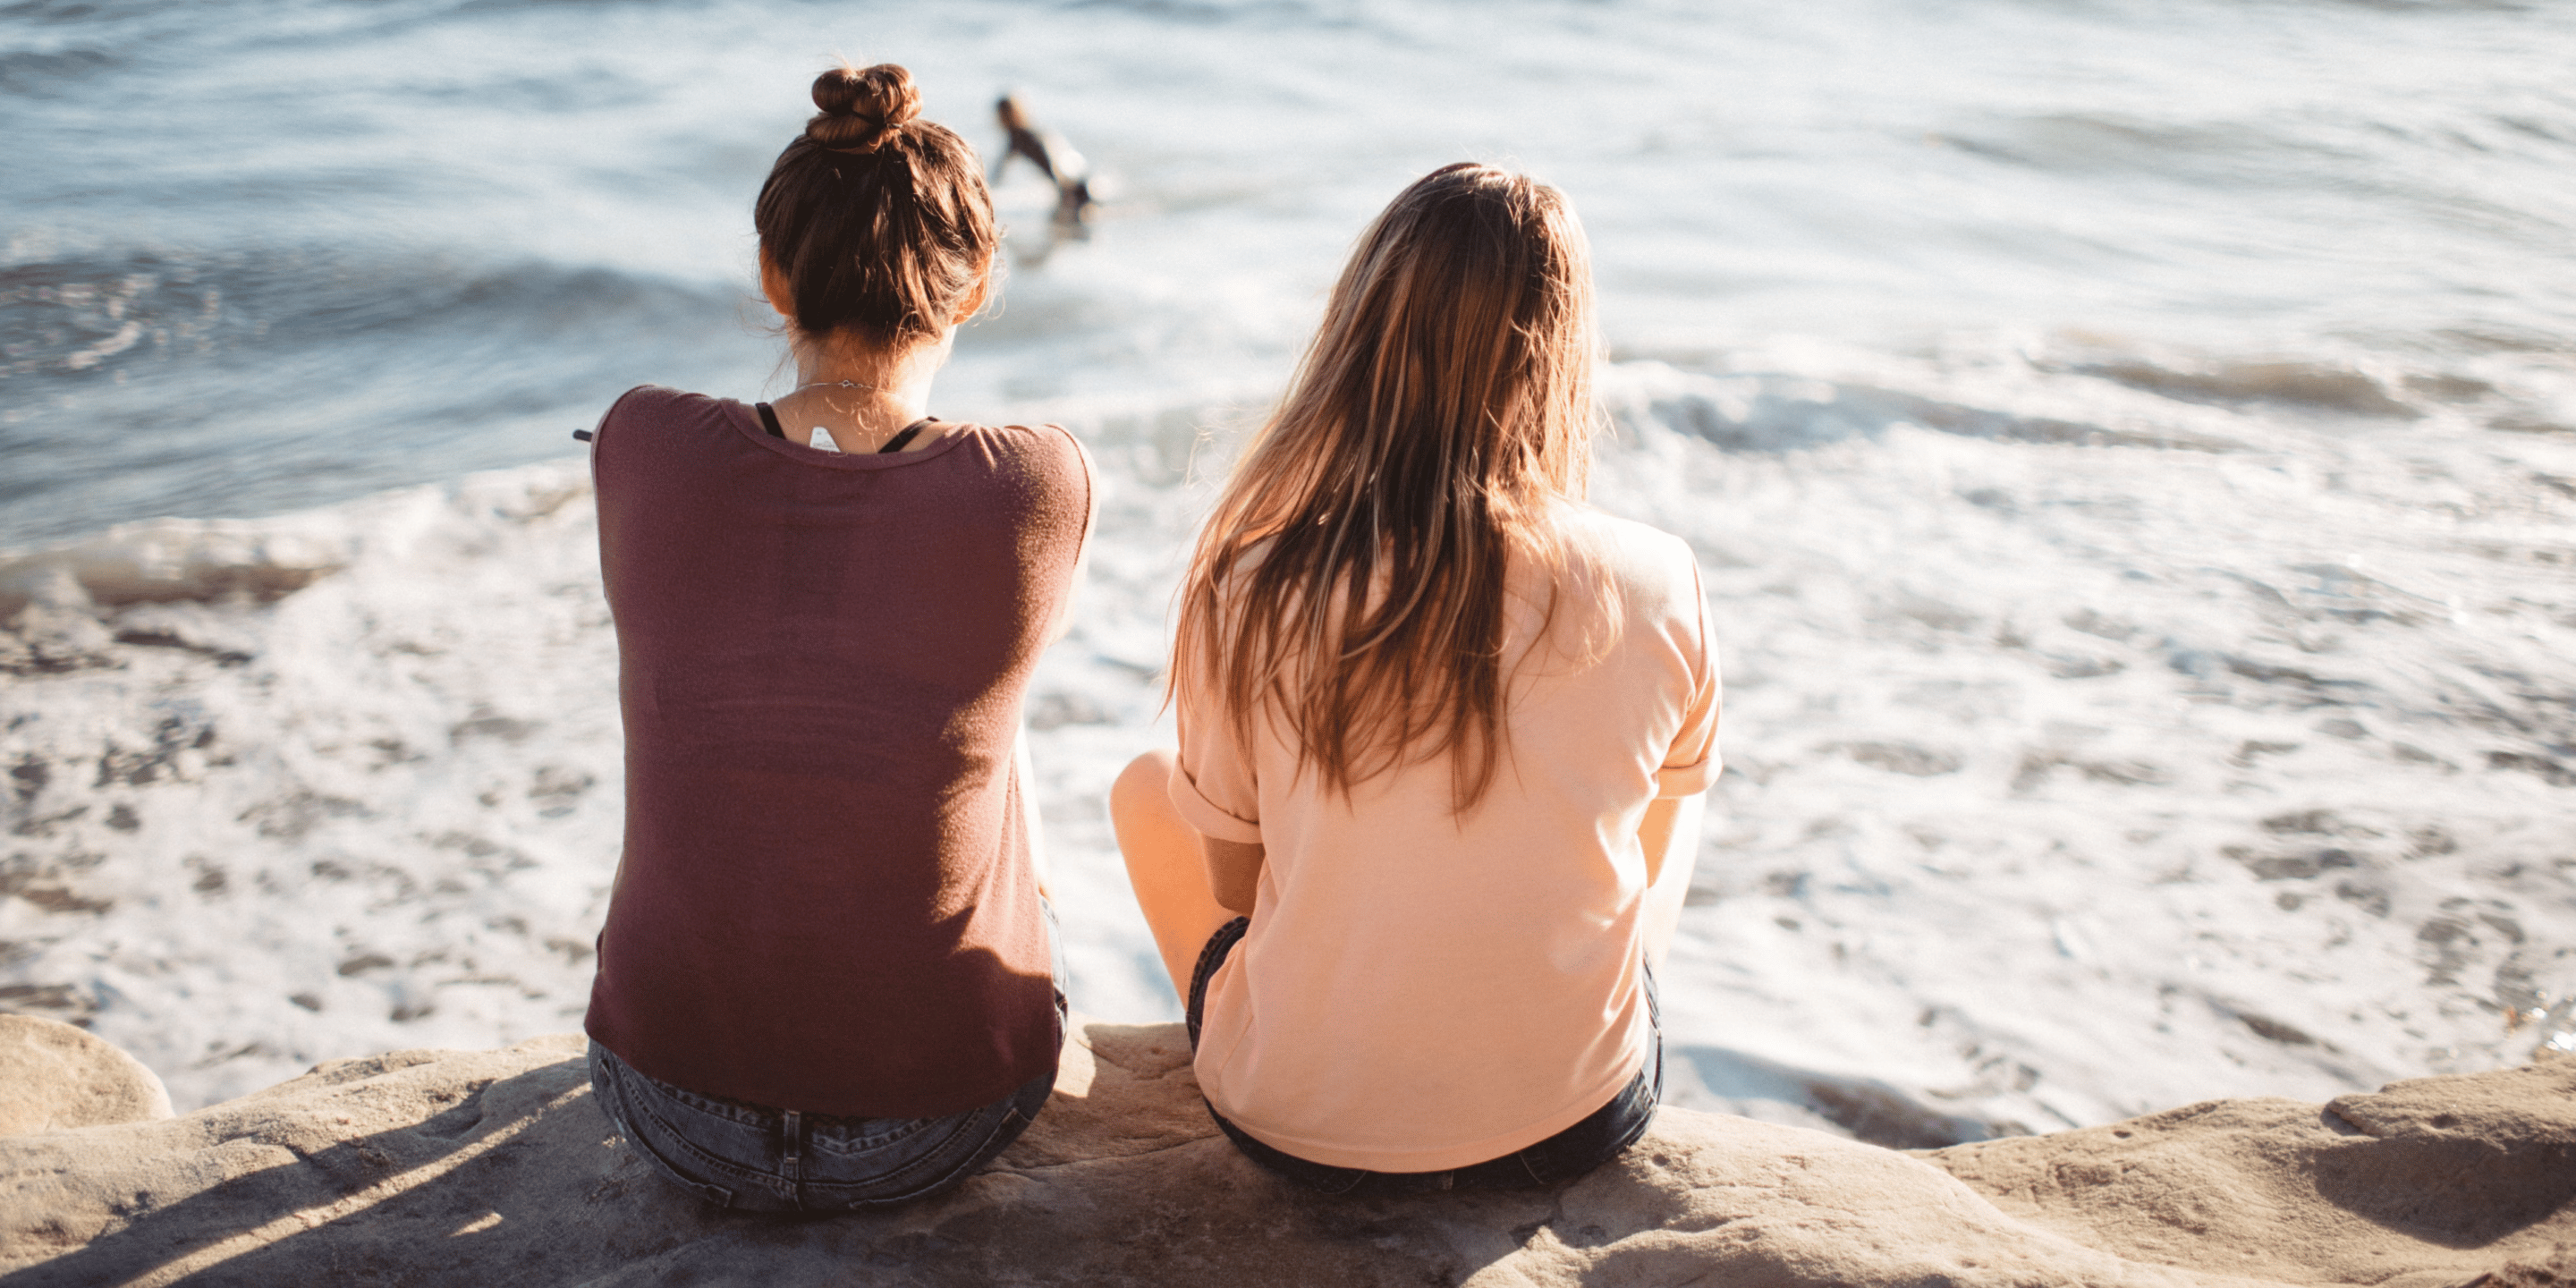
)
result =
(828, 977)
(1443, 734)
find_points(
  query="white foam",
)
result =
(2068, 781)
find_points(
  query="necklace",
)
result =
(841, 384)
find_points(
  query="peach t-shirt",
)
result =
(1422, 991)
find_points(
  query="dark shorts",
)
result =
(760, 1159)
(1561, 1157)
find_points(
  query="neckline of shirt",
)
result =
(745, 419)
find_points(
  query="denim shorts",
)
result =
(758, 1159)
(1561, 1157)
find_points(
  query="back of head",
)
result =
(1446, 401)
(879, 220)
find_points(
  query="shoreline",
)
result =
(2021, 773)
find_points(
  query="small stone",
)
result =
(54, 1077)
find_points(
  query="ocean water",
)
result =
(2131, 451)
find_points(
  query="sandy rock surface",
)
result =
(54, 1076)
(479, 1167)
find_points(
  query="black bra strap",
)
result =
(895, 444)
(769, 421)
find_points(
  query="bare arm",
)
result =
(1233, 872)
(1670, 836)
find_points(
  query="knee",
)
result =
(1144, 785)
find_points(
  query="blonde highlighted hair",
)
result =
(1351, 578)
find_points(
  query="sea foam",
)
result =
(2209, 750)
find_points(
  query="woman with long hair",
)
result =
(1443, 733)
(828, 977)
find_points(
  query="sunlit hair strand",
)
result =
(1350, 582)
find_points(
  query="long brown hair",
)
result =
(1352, 575)
(880, 220)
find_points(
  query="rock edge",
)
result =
(435, 1167)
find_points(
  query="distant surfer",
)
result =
(1051, 154)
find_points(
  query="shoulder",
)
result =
(1638, 558)
(647, 404)
(1648, 580)
(1048, 453)
(654, 437)
(1049, 441)
(646, 399)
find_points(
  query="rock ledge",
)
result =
(479, 1167)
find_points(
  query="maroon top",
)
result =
(826, 901)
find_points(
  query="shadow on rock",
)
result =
(383, 1205)
(2458, 1170)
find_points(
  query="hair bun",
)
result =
(862, 108)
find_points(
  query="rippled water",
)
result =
(263, 258)
(2131, 450)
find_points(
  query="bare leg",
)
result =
(1165, 865)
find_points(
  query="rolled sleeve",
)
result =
(1209, 817)
(1687, 780)
(1213, 783)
